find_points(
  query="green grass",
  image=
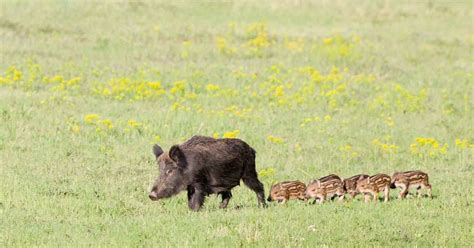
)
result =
(404, 72)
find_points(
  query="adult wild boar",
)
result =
(204, 166)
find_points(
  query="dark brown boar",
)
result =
(204, 166)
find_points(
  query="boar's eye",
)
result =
(169, 171)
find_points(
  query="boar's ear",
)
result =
(176, 154)
(157, 150)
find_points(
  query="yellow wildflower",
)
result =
(56, 79)
(428, 146)
(298, 147)
(154, 85)
(133, 123)
(178, 87)
(276, 140)
(279, 91)
(91, 118)
(295, 45)
(212, 87)
(14, 74)
(389, 121)
(356, 39)
(414, 148)
(258, 32)
(223, 47)
(106, 123)
(231, 134)
(266, 172)
(75, 128)
(327, 41)
(463, 143)
(385, 148)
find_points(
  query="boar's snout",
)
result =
(153, 196)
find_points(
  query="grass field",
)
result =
(316, 87)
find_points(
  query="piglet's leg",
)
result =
(418, 191)
(352, 194)
(428, 187)
(341, 195)
(375, 195)
(286, 198)
(367, 197)
(386, 193)
(403, 191)
(322, 199)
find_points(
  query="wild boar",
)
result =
(287, 190)
(325, 187)
(373, 185)
(410, 179)
(350, 184)
(204, 166)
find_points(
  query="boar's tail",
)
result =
(249, 170)
(254, 153)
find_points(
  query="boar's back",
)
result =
(218, 163)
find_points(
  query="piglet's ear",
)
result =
(157, 150)
(177, 155)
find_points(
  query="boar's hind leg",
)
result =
(250, 179)
(226, 195)
(255, 185)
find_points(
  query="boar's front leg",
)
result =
(190, 190)
(226, 195)
(195, 198)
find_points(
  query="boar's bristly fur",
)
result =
(204, 166)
